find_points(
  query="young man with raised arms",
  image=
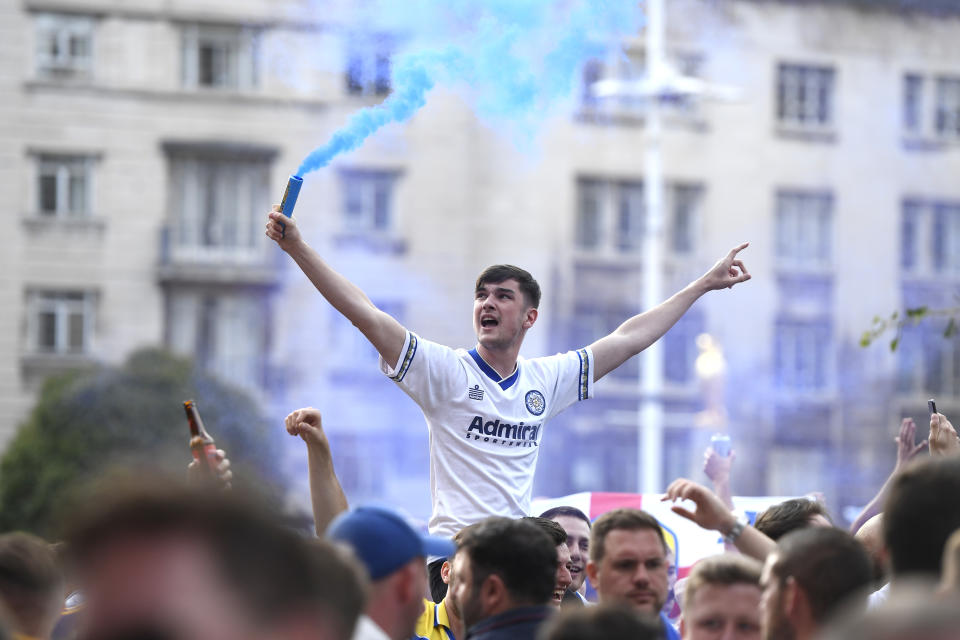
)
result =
(485, 408)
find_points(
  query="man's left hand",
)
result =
(727, 272)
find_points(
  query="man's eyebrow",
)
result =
(483, 287)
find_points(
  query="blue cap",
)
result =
(383, 541)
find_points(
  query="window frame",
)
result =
(62, 28)
(241, 70)
(62, 304)
(372, 184)
(63, 167)
(795, 109)
(823, 203)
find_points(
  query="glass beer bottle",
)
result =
(202, 446)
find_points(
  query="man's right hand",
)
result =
(282, 230)
(308, 424)
(943, 437)
(710, 512)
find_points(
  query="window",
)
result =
(913, 103)
(796, 470)
(367, 200)
(948, 107)
(804, 228)
(64, 185)
(931, 107)
(611, 215)
(219, 57)
(686, 201)
(930, 237)
(592, 321)
(805, 96)
(59, 322)
(225, 333)
(927, 362)
(64, 45)
(802, 354)
(348, 351)
(368, 66)
(680, 349)
(217, 206)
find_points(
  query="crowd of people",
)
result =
(155, 558)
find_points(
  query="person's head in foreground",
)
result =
(502, 565)
(628, 560)
(722, 599)
(602, 622)
(814, 574)
(790, 515)
(577, 525)
(395, 557)
(31, 584)
(911, 613)
(559, 537)
(160, 561)
(922, 510)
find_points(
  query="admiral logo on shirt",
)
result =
(475, 393)
(504, 434)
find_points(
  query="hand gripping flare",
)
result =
(289, 200)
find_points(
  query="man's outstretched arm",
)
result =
(711, 514)
(326, 494)
(640, 331)
(381, 329)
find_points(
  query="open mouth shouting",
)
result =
(488, 321)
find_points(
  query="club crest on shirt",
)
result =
(535, 402)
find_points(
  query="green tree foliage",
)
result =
(88, 421)
(909, 318)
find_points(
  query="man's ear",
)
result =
(791, 597)
(493, 595)
(445, 572)
(531, 317)
(592, 573)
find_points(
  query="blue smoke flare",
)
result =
(514, 60)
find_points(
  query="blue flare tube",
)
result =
(289, 200)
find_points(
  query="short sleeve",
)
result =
(573, 372)
(426, 371)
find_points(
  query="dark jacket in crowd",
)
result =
(517, 624)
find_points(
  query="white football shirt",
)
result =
(485, 431)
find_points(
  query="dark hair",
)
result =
(789, 515)
(922, 510)
(552, 529)
(31, 582)
(629, 519)
(573, 512)
(724, 570)
(829, 564)
(606, 620)
(274, 571)
(502, 272)
(518, 551)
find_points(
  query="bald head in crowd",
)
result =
(160, 561)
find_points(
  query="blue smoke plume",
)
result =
(513, 60)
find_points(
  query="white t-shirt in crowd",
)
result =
(485, 431)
